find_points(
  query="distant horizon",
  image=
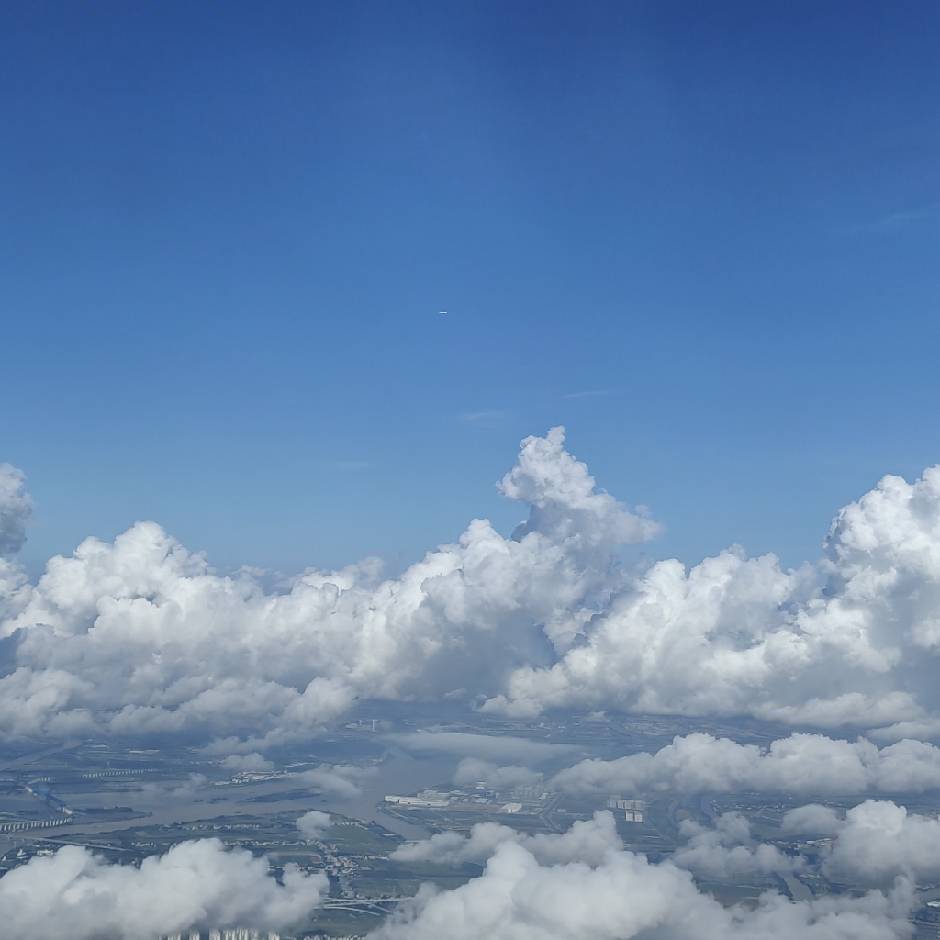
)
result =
(393, 567)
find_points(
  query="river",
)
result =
(400, 772)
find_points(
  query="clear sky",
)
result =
(702, 236)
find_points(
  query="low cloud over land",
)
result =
(75, 895)
(580, 885)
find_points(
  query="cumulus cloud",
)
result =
(312, 825)
(16, 506)
(726, 850)
(338, 780)
(186, 790)
(577, 884)
(14, 588)
(617, 895)
(473, 770)
(589, 842)
(253, 762)
(74, 895)
(565, 501)
(800, 763)
(874, 842)
(813, 819)
(839, 643)
(139, 635)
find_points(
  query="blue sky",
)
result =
(702, 236)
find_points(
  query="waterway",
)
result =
(400, 772)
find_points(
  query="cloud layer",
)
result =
(557, 889)
(800, 763)
(140, 635)
(578, 884)
(847, 641)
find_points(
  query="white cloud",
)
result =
(16, 506)
(842, 643)
(337, 780)
(140, 635)
(800, 763)
(473, 770)
(565, 501)
(247, 762)
(312, 825)
(590, 842)
(484, 418)
(726, 851)
(813, 819)
(74, 895)
(874, 842)
(536, 894)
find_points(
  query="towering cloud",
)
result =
(74, 895)
(565, 503)
(140, 635)
(842, 643)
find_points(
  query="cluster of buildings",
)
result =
(426, 799)
(256, 776)
(480, 798)
(633, 810)
(435, 799)
(235, 933)
(116, 772)
(33, 824)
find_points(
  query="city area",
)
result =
(381, 781)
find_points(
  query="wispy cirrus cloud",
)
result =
(896, 220)
(486, 417)
(588, 393)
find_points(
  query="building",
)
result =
(234, 933)
(633, 810)
(417, 801)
